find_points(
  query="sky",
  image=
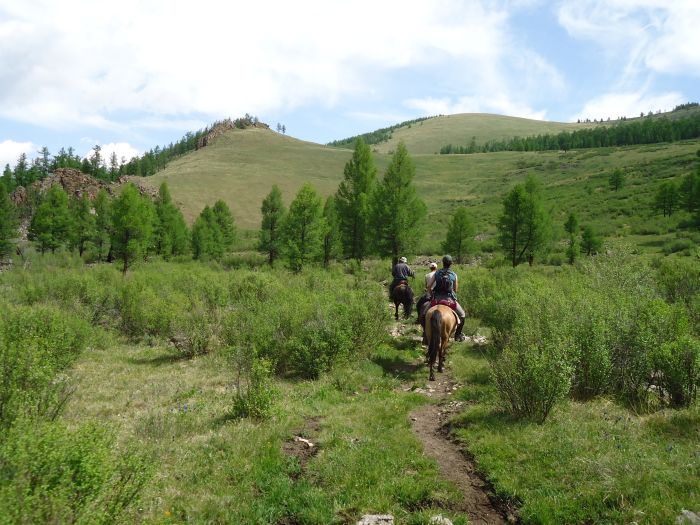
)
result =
(134, 74)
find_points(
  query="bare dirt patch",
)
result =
(430, 424)
(303, 445)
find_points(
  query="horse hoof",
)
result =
(432, 377)
(440, 369)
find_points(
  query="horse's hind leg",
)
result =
(441, 360)
(396, 313)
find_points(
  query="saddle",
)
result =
(450, 303)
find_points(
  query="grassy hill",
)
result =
(430, 135)
(242, 165)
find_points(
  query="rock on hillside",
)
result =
(227, 125)
(76, 184)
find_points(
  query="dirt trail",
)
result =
(430, 424)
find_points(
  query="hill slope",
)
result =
(242, 165)
(430, 135)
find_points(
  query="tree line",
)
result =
(125, 228)
(377, 136)
(646, 131)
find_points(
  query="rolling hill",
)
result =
(241, 166)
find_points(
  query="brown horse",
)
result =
(440, 324)
(402, 294)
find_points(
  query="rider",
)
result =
(450, 292)
(427, 295)
(400, 272)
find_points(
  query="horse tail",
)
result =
(408, 302)
(435, 333)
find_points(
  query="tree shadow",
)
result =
(398, 367)
(167, 358)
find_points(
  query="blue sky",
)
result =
(135, 74)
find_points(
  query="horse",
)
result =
(440, 325)
(402, 294)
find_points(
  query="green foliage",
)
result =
(83, 223)
(35, 344)
(132, 226)
(8, 222)
(303, 229)
(666, 199)
(678, 363)
(396, 210)
(590, 242)
(171, 234)
(332, 245)
(51, 225)
(273, 214)
(256, 392)
(103, 223)
(207, 237)
(459, 239)
(689, 191)
(224, 219)
(352, 201)
(54, 474)
(524, 226)
(616, 179)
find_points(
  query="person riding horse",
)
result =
(428, 293)
(400, 272)
(444, 285)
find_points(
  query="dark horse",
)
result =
(440, 324)
(402, 294)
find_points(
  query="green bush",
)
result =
(52, 474)
(591, 340)
(255, 390)
(35, 344)
(678, 366)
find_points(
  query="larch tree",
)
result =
(207, 238)
(103, 223)
(224, 219)
(83, 230)
(51, 225)
(303, 229)
(332, 244)
(590, 241)
(171, 234)
(666, 198)
(273, 214)
(352, 201)
(396, 210)
(616, 179)
(571, 227)
(132, 226)
(8, 222)
(459, 240)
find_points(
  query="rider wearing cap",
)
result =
(427, 295)
(440, 293)
(400, 272)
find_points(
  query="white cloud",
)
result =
(123, 150)
(616, 105)
(657, 35)
(82, 63)
(498, 104)
(11, 150)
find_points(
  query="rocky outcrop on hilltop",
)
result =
(228, 124)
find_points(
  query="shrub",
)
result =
(592, 343)
(678, 366)
(52, 474)
(255, 389)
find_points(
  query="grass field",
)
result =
(428, 136)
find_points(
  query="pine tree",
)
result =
(689, 192)
(396, 210)
(590, 242)
(460, 235)
(207, 238)
(132, 226)
(352, 201)
(273, 214)
(303, 229)
(571, 227)
(7, 179)
(616, 179)
(171, 234)
(83, 223)
(51, 225)
(8, 222)
(667, 198)
(332, 247)
(524, 226)
(224, 218)
(22, 170)
(103, 223)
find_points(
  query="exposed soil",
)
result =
(303, 446)
(430, 424)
